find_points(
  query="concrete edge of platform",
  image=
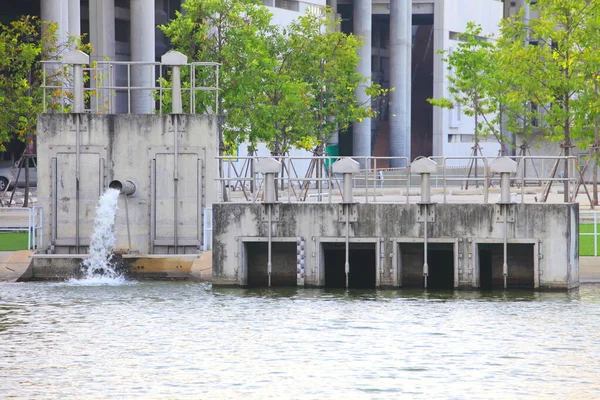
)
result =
(15, 266)
(24, 265)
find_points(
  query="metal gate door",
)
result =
(176, 203)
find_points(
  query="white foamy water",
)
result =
(99, 268)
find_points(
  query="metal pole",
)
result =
(54, 199)
(78, 178)
(127, 220)
(505, 263)
(175, 183)
(269, 263)
(347, 263)
(595, 233)
(425, 264)
(152, 204)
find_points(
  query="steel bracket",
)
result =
(264, 216)
(499, 212)
(352, 212)
(428, 209)
(83, 123)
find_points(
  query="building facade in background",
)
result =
(402, 39)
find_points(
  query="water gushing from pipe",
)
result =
(98, 266)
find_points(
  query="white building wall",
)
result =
(456, 128)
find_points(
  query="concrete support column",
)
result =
(362, 28)
(56, 11)
(439, 70)
(74, 18)
(408, 72)
(400, 78)
(102, 38)
(142, 49)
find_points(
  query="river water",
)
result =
(159, 340)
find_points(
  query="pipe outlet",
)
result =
(126, 187)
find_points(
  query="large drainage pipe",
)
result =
(127, 188)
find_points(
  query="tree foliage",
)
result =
(289, 87)
(472, 80)
(22, 48)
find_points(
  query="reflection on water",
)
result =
(186, 340)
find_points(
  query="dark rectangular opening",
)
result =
(520, 266)
(283, 264)
(440, 259)
(362, 260)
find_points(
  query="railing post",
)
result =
(595, 233)
(348, 167)
(269, 167)
(425, 167)
(175, 59)
(78, 59)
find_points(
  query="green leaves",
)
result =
(288, 87)
(22, 47)
(537, 76)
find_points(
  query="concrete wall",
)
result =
(550, 229)
(136, 147)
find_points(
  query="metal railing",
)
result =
(587, 218)
(23, 219)
(310, 179)
(107, 79)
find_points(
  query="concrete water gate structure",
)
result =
(163, 164)
(288, 230)
(340, 242)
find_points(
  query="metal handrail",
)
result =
(33, 228)
(105, 70)
(371, 178)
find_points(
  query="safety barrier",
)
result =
(310, 179)
(107, 79)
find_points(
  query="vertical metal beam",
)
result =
(77, 178)
(54, 200)
(176, 182)
(152, 205)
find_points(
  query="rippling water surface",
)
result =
(187, 340)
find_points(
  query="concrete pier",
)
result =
(386, 245)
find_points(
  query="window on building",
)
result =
(292, 5)
(122, 28)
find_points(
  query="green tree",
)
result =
(472, 82)
(588, 101)
(551, 69)
(233, 33)
(285, 86)
(22, 48)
